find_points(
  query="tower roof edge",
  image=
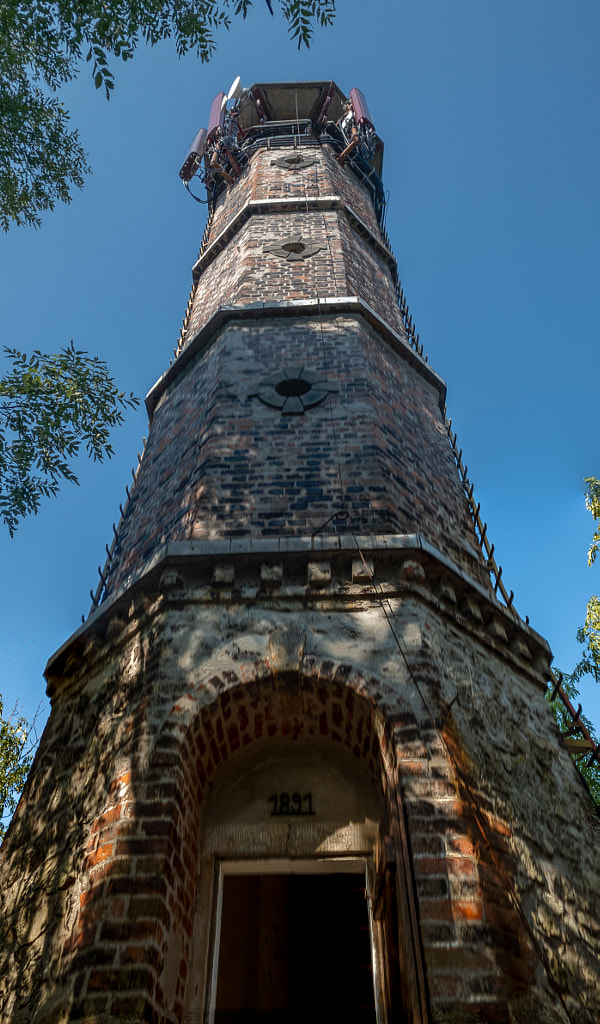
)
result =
(288, 101)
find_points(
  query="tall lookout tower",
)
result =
(299, 765)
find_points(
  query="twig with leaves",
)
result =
(51, 406)
(18, 742)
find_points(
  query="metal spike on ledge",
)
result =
(558, 682)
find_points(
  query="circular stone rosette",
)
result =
(292, 249)
(294, 161)
(293, 390)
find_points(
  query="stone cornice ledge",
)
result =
(186, 553)
(351, 304)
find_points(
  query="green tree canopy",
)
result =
(17, 744)
(592, 502)
(589, 663)
(589, 634)
(51, 405)
(43, 44)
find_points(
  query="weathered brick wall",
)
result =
(264, 179)
(99, 866)
(243, 273)
(220, 463)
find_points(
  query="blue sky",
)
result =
(490, 117)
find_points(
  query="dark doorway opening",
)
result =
(294, 948)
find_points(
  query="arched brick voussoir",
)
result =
(140, 910)
(143, 895)
(245, 704)
(242, 709)
(135, 923)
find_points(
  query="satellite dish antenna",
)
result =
(236, 89)
(224, 102)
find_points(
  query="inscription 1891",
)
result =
(286, 804)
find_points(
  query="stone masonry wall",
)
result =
(99, 867)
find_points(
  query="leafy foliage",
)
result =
(592, 503)
(40, 159)
(589, 634)
(49, 406)
(589, 664)
(43, 46)
(17, 744)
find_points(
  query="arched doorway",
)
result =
(296, 897)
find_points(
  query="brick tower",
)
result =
(299, 763)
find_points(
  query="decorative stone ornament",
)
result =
(294, 161)
(292, 248)
(293, 390)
